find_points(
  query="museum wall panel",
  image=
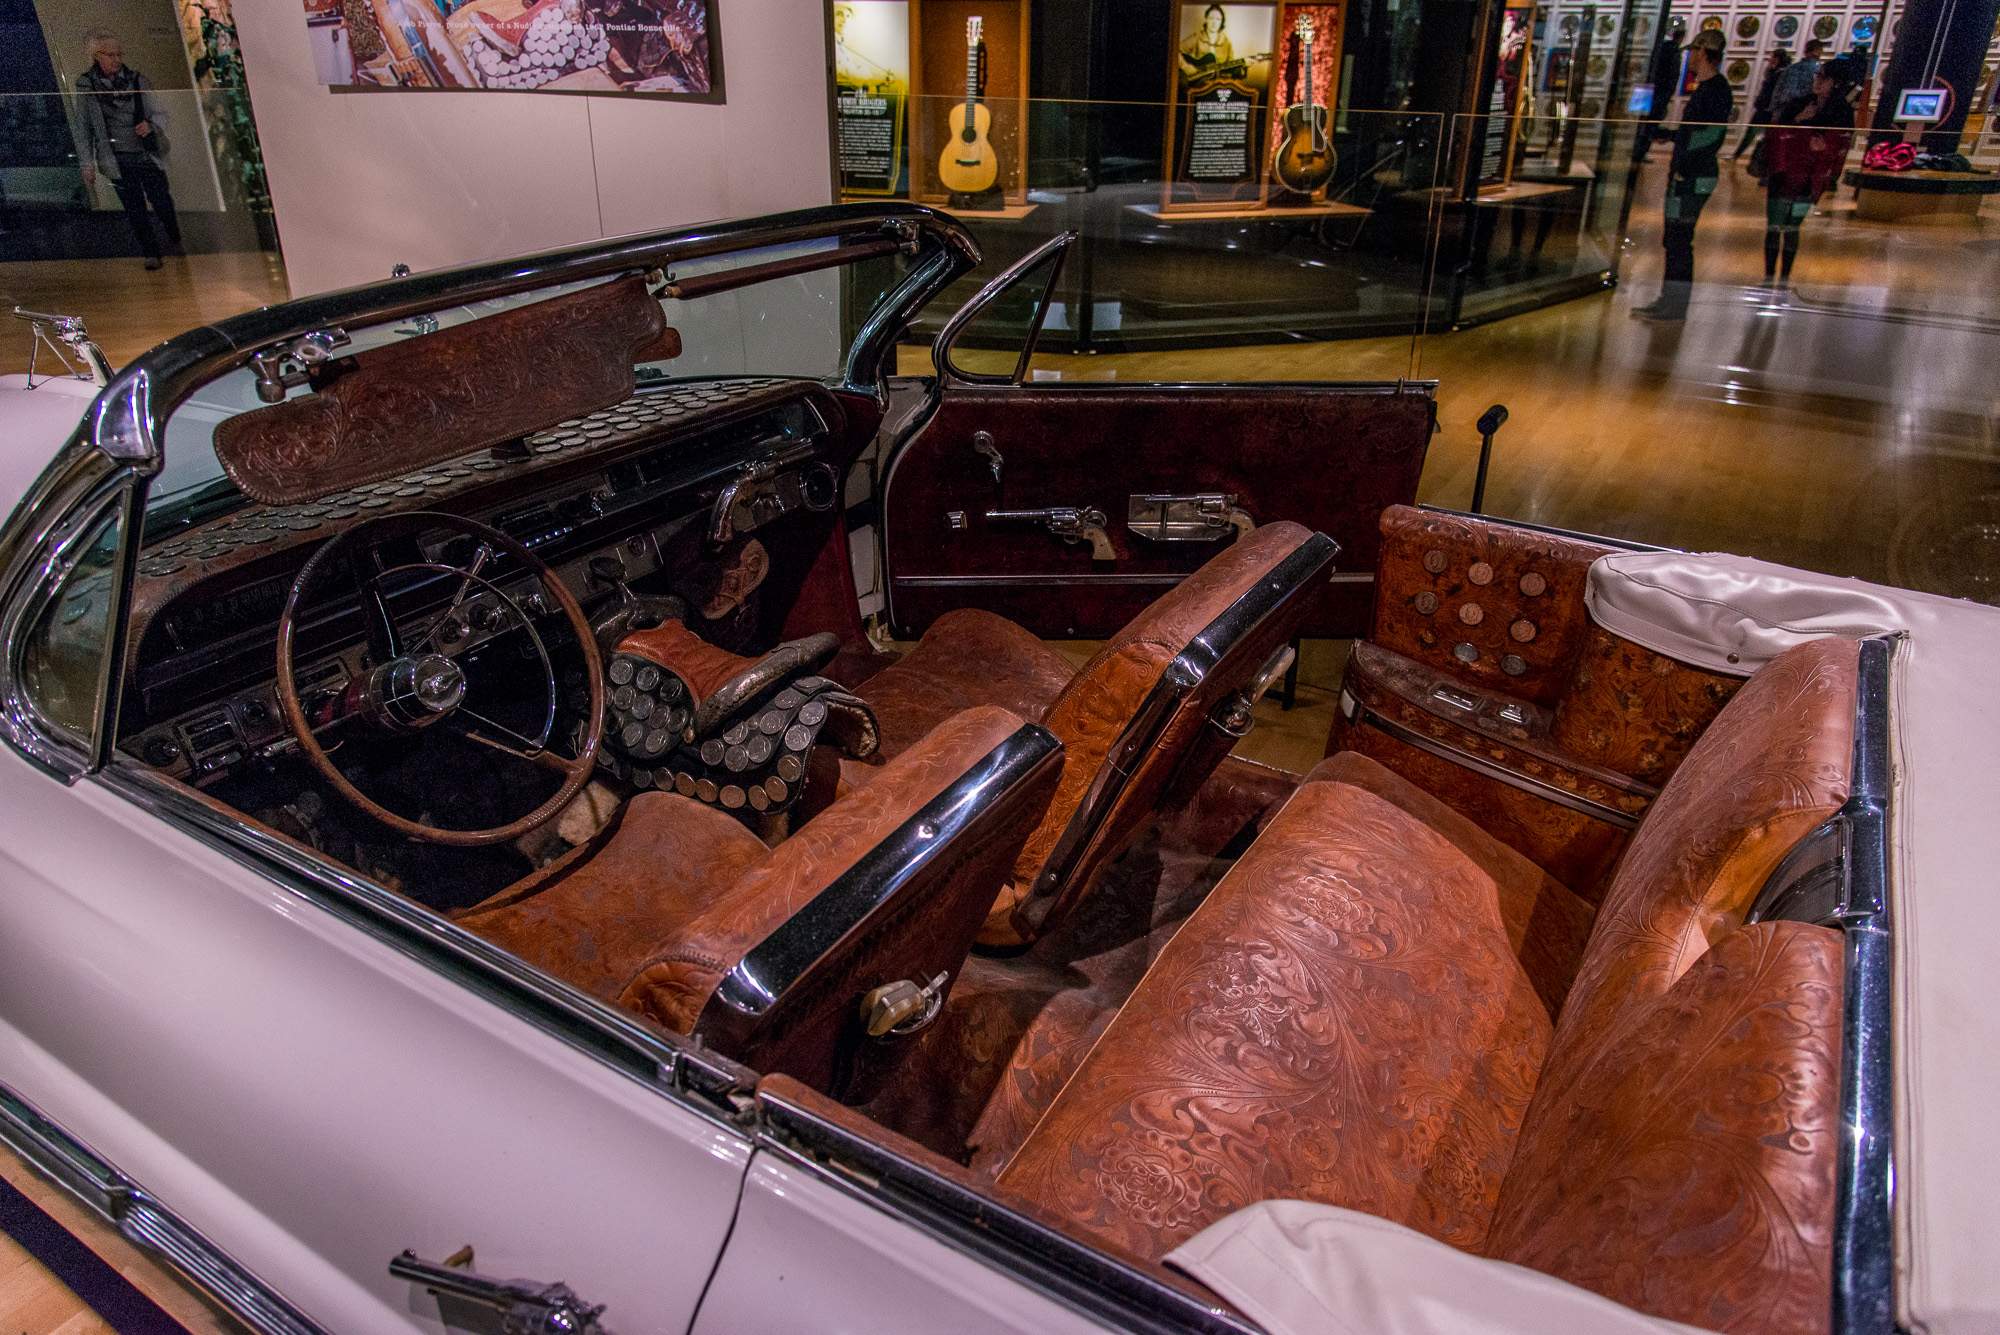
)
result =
(361, 180)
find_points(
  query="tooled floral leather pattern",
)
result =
(596, 926)
(1774, 764)
(444, 394)
(700, 664)
(1687, 1169)
(1635, 711)
(1547, 925)
(1405, 587)
(673, 984)
(1341, 1021)
(967, 658)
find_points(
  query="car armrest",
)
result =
(890, 882)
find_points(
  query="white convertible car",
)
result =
(467, 864)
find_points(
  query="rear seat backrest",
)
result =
(1679, 1152)
(1773, 765)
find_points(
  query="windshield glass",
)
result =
(791, 325)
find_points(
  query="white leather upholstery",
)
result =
(1298, 1268)
(1730, 614)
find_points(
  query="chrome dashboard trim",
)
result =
(142, 1220)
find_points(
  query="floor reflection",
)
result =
(1846, 425)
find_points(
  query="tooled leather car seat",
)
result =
(679, 913)
(1351, 1018)
(1142, 724)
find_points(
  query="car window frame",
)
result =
(1008, 279)
(57, 525)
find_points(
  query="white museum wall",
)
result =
(363, 180)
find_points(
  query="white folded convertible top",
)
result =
(1730, 614)
(1298, 1268)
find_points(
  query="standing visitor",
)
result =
(1760, 110)
(1807, 148)
(1796, 80)
(121, 132)
(1664, 70)
(1692, 174)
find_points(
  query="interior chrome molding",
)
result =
(1082, 1277)
(1228, 634)
(144, 1222)
(1374, 718)
(1594, 539)
(1864, 1256)
(700, 1080)
(906, 864)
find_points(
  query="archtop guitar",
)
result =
(1304, 161)
(968, 165)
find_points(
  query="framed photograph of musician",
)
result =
(871, 85)
(968, 136)
(1219, 93)
(659, 48)
(1305, 98)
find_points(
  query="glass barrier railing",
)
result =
(1824, 399)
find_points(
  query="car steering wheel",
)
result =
(406, 687)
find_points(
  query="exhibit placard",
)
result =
(1218, 123)
(871, 65)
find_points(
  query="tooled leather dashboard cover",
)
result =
(441, 395)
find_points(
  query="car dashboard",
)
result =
(599, 498)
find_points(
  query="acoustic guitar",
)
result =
(968, 165)
(1304, 161)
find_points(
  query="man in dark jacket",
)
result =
(1663, 72)
(1692, 175)
(120, 131)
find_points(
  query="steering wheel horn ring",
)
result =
(408, 689)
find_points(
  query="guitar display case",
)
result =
(938, 87)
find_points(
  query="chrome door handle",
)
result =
(1206, 517)
(525, 1307)
(1068, 522)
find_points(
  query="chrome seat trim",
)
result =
(1443, 750)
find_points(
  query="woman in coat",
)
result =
(1804, 156)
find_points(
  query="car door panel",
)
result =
(805, 1255)
(1331, 457)
(313, 1100)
